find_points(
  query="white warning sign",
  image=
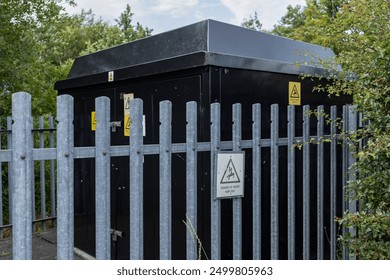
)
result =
(230, 175)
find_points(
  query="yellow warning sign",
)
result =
(93, 121)
(126, 112)
(294, 93)
(127, 123)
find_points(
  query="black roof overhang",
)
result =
(189, 61)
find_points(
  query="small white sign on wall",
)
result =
(230, 175)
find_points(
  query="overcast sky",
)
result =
(164, 15)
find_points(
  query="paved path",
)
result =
(44, 247)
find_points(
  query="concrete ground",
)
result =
(44, 247)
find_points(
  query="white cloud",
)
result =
(175, 8)
(163, 15)
(269, 12)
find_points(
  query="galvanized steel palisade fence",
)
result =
(42, 176)
(21, 156)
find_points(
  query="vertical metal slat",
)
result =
(42, 173)
(32, 178)
(52, 169)
(306, 182)
(237, 202)
(320, 183)
(65, 184)
(165, 180)
(103, 182)
(191, 180)
(345, 165)
(291, 182)
(215, 203)
(352, 203)
(274, 182)
(333, 181)
(136, 181)
(256, 184)
(21, 172)
(10, 177)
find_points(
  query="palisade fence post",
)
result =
(320, 183)
(191, 180)
(291, 182)
(42, 173)
(21, 173)
(345, 165)
(274, 182)
(306, 182)
(215, 135)
(52, 169)
(32, 178)
(333, 182)
(10, 178)
(165, 180)
(237, 202)
(256, 184)
(352, 203)
(136, 181)
(65, 178)
(102, 174)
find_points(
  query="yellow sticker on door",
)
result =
(294, 93)
(93, 121)
(127, 125)
(126, 112)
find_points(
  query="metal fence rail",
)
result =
(42, 175)
(21, 155)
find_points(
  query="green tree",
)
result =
(129, 31)
(123, 32)
(20, 51)
(293, 19)
(252, 23)
(359, 33)
(309, 23)
(39, 41)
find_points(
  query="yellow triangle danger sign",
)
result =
(294, 92)
(127, 123)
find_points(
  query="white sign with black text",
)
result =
(230, 175)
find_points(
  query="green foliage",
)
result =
(39, 41)
(310, 23)
(373, 241)
(252, 23)
(293, 19)
(359, 33)
(130, 32)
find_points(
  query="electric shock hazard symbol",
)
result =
(127, 125)
(294, 93)
(230, 175)
(230, 172)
